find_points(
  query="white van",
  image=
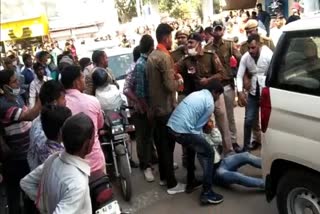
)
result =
(290, 120)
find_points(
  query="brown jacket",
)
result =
(162, 84)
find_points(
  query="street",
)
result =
(152, 198)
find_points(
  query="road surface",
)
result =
(151, 198)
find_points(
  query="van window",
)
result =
(299, 69)
(119, 64)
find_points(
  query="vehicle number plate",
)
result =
(111, 208)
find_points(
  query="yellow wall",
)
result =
(38, 26)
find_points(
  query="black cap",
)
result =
(217, 23)
(195, 36)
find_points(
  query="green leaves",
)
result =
(126, 10)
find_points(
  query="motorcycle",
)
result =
(114, 144)
(102, 196)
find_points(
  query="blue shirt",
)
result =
(192, 113)
(40, 147)
(28, 74)
(141, 87)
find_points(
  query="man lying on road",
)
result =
(226, 169)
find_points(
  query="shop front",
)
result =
(26, 33)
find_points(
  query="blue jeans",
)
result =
(227, 174)
(251, 114)
(205, 155)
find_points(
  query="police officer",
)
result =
(252, 28)
(225, 49)
(181, 40)
(202, 66)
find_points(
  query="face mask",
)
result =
(48, 61)
(192, 52)
(15, 63)
(16, 91)
(11, 91)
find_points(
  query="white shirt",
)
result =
(109, 97)
(214, 139)
(275, 34)
(258, 70)
(34, 90)
(65, 183)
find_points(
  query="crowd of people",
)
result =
(51, 113)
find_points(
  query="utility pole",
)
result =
(138, 7)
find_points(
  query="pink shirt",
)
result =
(80, 102)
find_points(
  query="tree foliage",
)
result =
(174, 8)
(126, 10)
(180, 8)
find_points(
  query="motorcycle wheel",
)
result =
(125, 177)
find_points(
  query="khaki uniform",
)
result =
(206, 65)
(263, 39)
(225, 50)
(179, 53)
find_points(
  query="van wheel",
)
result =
(298, 192)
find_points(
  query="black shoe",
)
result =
(254, 145)
(236, 148)
(193, 186)
(133, 164)
(211, 197)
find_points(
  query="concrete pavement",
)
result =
(152, 198)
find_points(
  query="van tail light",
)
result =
(265, 108)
